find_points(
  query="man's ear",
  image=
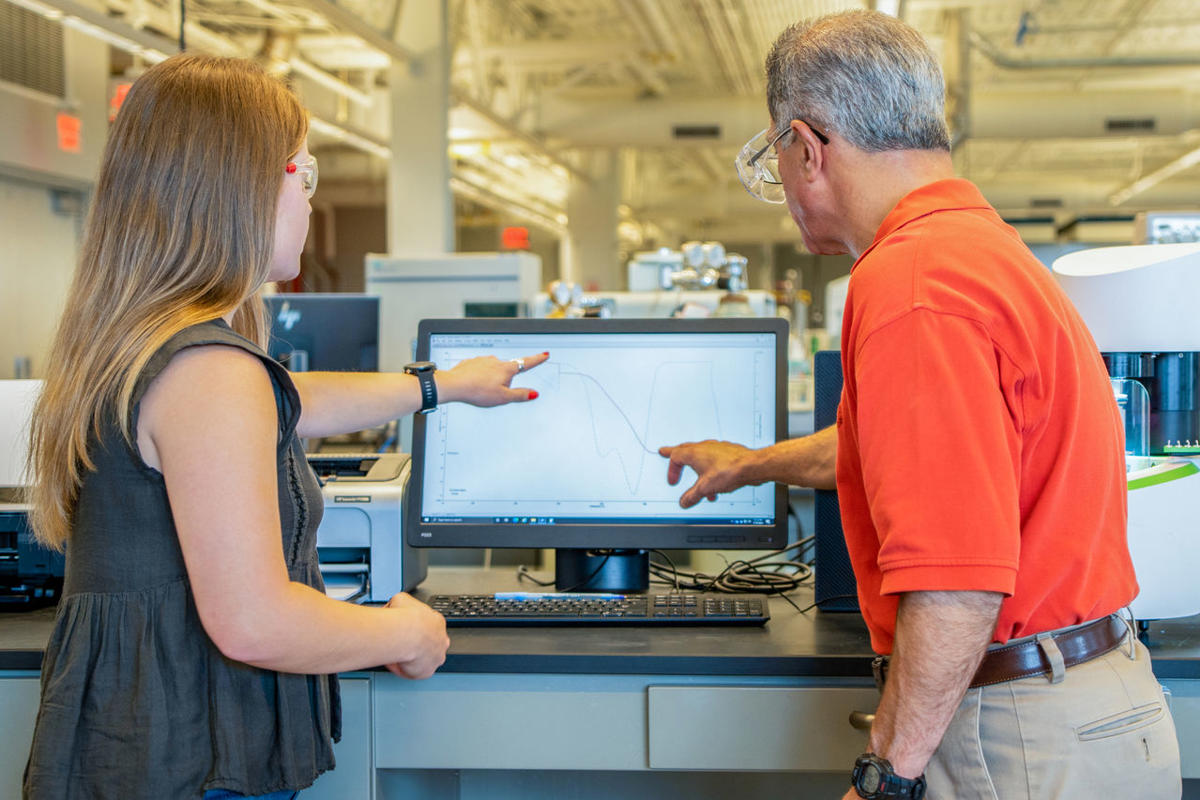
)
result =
(812, 157)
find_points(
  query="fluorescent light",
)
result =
(105, 35)
(318, 75)
(95, 31)
(349, 137)
(1188, 159)
(41, 9)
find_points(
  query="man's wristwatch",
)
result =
(874, 779)
(424, 371)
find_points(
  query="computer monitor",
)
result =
(327, 332)
(578, 468)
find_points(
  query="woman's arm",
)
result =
(342, 402)
(210, 425)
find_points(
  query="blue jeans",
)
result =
(225, 794)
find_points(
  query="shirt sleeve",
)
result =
(940, 453)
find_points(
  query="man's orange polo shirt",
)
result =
(979, 444)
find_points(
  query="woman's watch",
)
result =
(874, 779)
(424, 370)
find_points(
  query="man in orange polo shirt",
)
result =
(979, 454)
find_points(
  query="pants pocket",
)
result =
(1120, 724)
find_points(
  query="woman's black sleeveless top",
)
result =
(137, 701)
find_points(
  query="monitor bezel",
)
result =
(364, 304)
(586, 536)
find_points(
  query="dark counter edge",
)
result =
(814, 667)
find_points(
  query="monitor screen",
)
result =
(579, 466)
(326, 332)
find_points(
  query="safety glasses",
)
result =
(758, 163)
(307, 170)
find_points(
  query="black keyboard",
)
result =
(532, 608)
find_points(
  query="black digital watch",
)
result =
(424, 370)
(874, 779)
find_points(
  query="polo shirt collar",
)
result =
(951, 194)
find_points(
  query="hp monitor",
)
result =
(325, 332)
(578, 469)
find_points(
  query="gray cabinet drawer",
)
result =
(756, 728)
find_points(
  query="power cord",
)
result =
(523, 574)
(766, 574)
(825, 600)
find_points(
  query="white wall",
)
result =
(37, 257)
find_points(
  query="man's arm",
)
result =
(940, 639)
(725, 467)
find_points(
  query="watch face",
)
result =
(870, 779)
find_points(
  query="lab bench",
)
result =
(589, 713)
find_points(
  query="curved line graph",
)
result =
(634, 484)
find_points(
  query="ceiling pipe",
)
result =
(1000, 59)
(1189, 159)
(505, 205)
(461, 99)
(343, 19)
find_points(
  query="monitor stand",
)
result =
(601, 570)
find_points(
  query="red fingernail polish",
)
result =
(533, 395)
(546, 353)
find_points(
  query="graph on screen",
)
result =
(588, 446)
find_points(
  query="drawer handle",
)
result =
(861, 720)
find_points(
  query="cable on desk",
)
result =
(762, 575)
(825, 600)
(523, 574)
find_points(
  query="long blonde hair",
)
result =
(181, 231)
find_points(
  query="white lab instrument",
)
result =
(446, 286)
(1139, 304)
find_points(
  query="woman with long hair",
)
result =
(194, 652)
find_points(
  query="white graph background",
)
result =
(588, 445)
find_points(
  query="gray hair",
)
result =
(867, 76)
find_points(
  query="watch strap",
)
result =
(424, 375)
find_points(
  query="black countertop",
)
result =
(814, 644)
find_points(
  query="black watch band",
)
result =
(874, 779)
(423, 370)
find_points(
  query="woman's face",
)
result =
(291, 222)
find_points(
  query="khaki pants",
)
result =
(1104, 732)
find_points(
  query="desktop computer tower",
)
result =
(834, 583)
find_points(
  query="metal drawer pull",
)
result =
(861, 720)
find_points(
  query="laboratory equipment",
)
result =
(445, 286)
(1139, 303)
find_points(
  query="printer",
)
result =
(361, 547)
(30, 575)
(362, 553)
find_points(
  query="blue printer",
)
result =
(361, 548)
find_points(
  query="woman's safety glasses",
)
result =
(307, 171)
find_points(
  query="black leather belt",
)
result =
(1026, 659)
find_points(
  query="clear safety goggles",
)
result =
(307, 170)
(758, 163)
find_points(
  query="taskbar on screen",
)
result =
(455, 520)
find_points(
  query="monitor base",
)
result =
(601, 570)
